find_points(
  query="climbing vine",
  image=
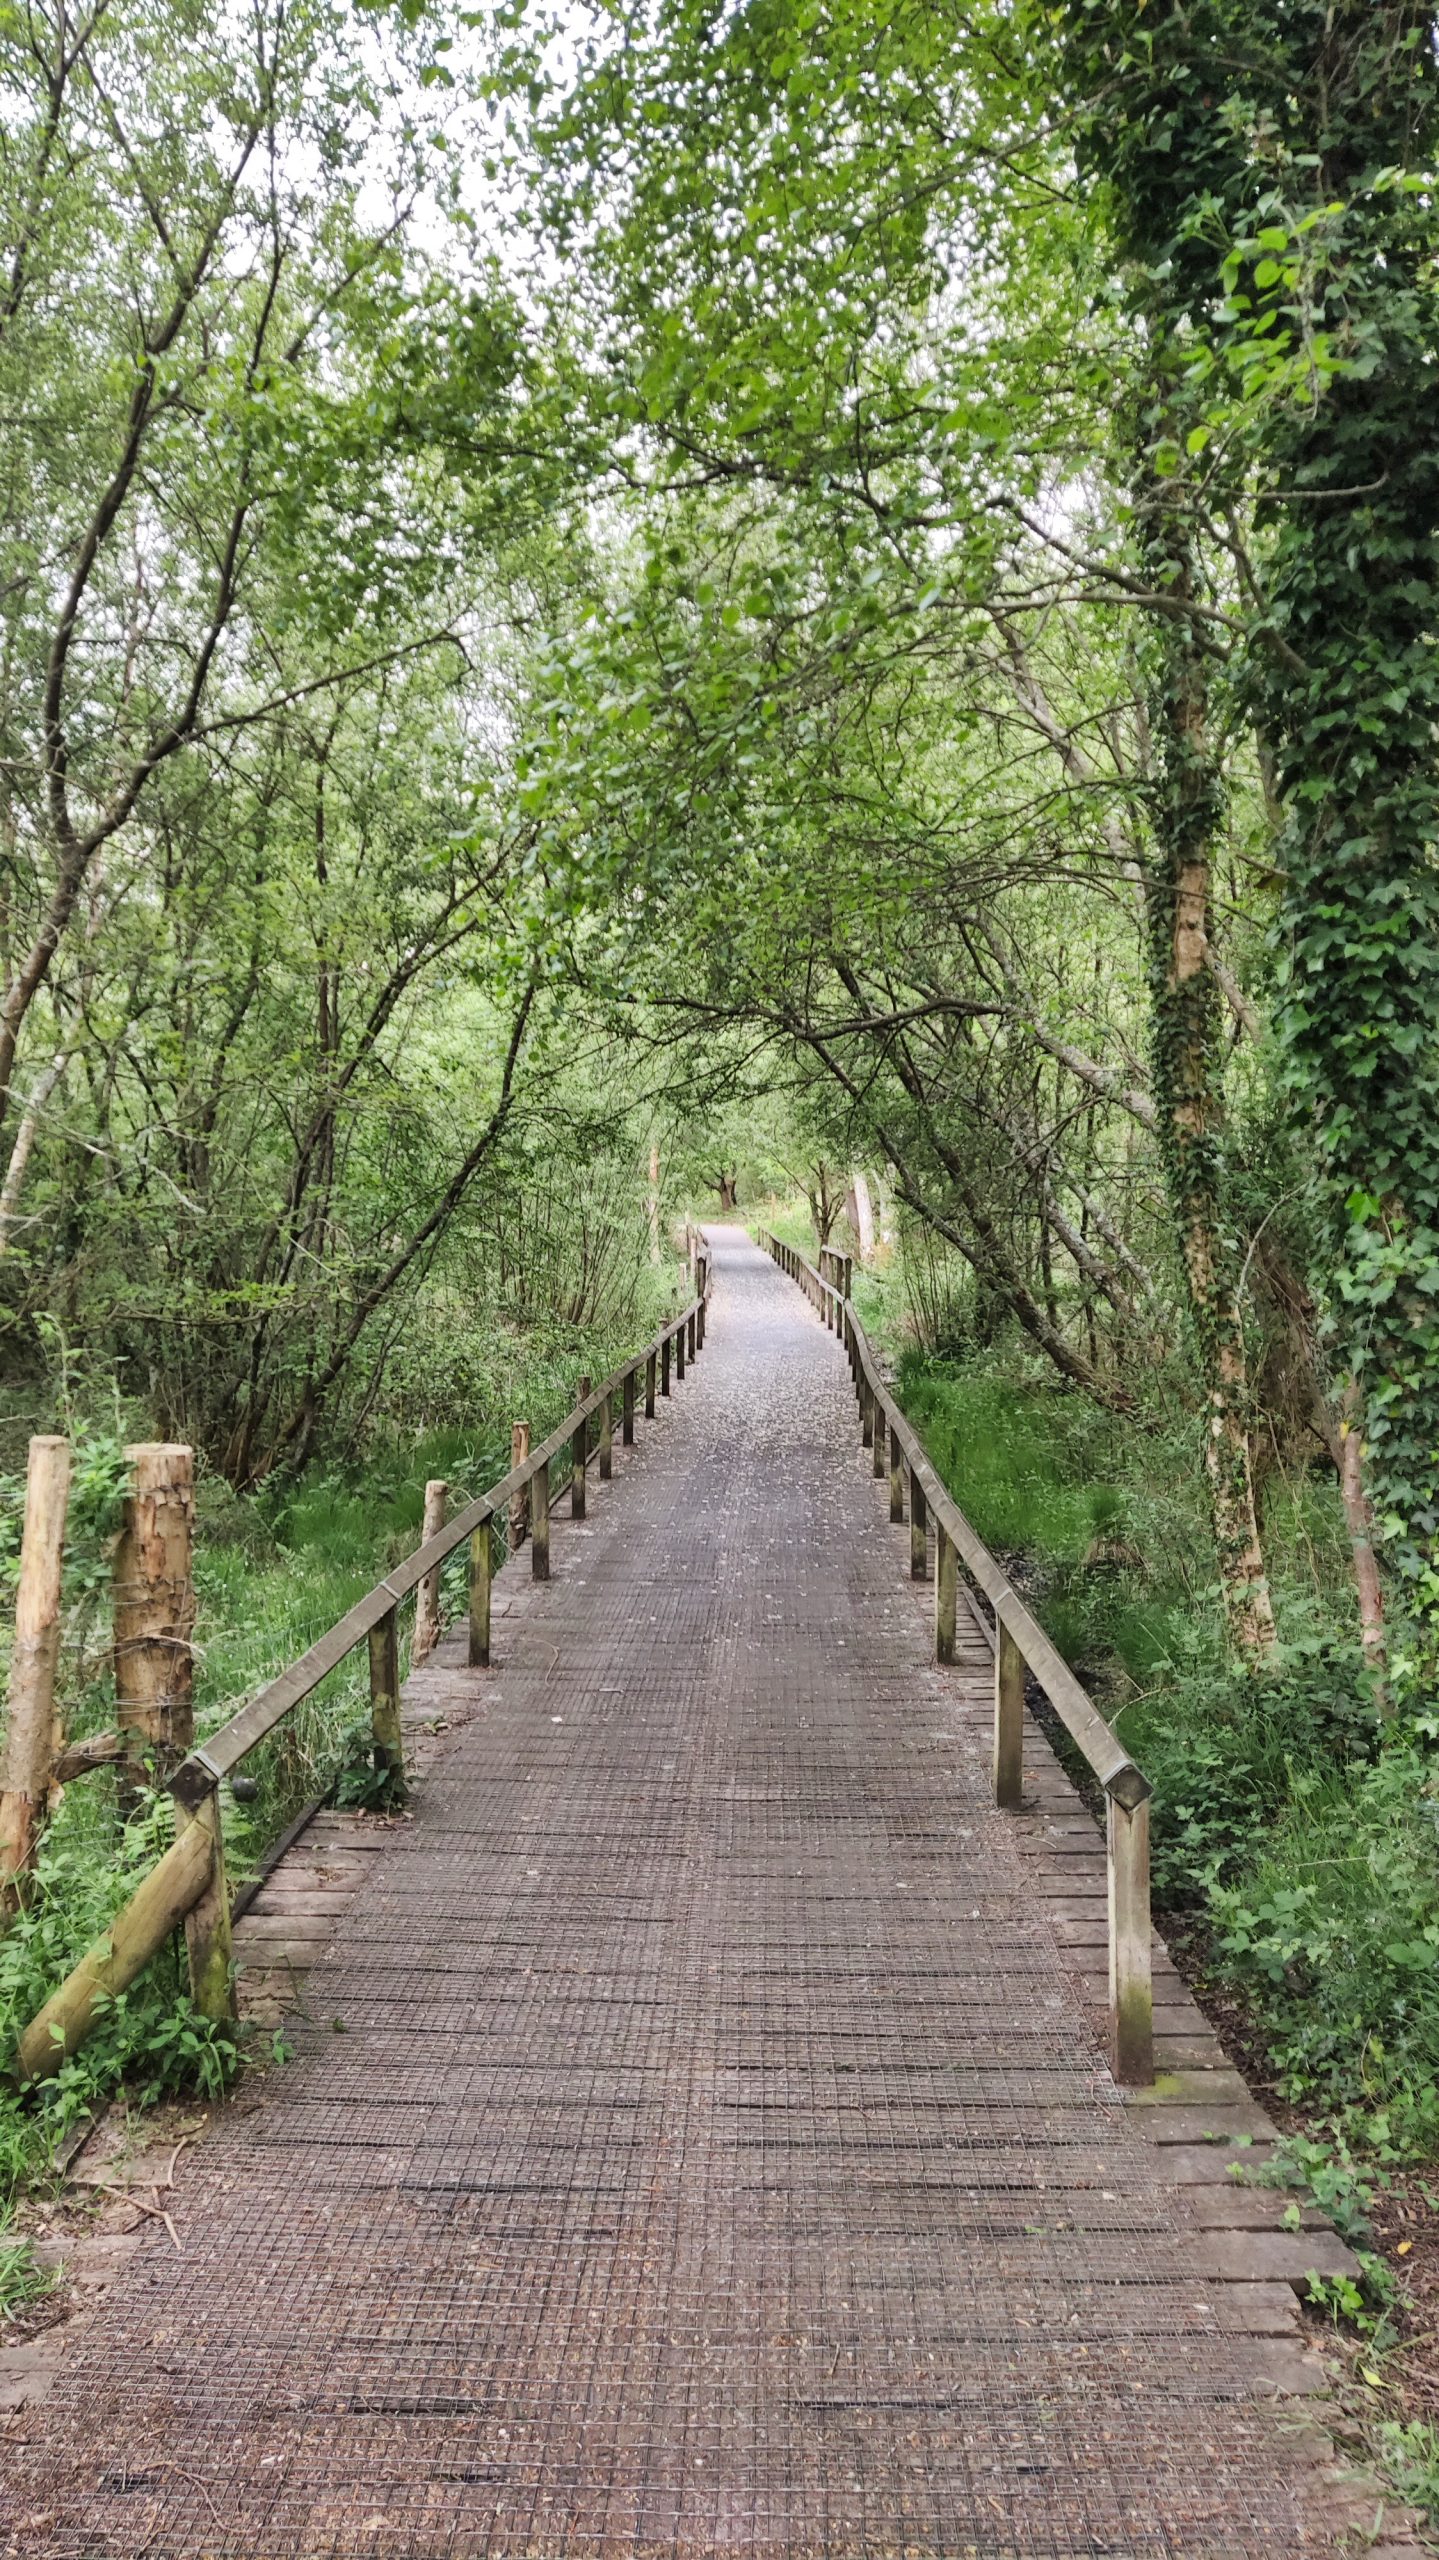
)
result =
(1264, 168)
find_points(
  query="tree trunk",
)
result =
(1189, 1089)
(1359, 1521)
(863, 1216)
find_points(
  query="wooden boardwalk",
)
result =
(699, 2138)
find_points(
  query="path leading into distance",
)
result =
(700, 2140)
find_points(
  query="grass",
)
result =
(1409, 2450)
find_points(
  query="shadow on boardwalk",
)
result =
(718, 2155)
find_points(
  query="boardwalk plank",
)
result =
(700, 2139)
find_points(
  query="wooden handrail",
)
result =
(188, 1882)
(224, 1751)
(1019, 1642)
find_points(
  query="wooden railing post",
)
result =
(607, 1438)
(627, 1409)
(866, 1413)
(896, 1480)
(650, 1368)
(155, 1611)
(482, 1558)
(207, 1922)
(30, 1735)
(918, 1529)
(1131, 1990)
(1008, 1720)
(579, 1452)
(665, 1366)
(540, 1524)
(427, 1599)
(519, 1502)
(881, 1428)
(679, 1341)
(385, 1697)
(946, 1594)
(690, 1331)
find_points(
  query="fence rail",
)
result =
(188, 1884)
(1020, 1643)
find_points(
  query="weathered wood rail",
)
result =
(188, 1884)
(1020, 1644)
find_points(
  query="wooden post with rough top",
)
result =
(1131, 1989)
(607, 1438)
(918, 1529)
(519, 1502)
(154, 1601)
(30, 1733)
(627, 1409)
(427, 1599)
(481, 1575)
(579, 1453)
(1008, 1720)
(946, 1594)
(540, 1524)
(385, 1697)
(207, 1922)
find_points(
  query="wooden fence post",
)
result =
(385, 1698)
(946, 1595)
(30, 1735)
(481, 1571)
(519, 1502)
(627, 1409)
(665, 1366)
(607, 1438)
(690, 1333)
(866, 1413)
(679, 1350)
(918, 1529)
(881, 1430)
(579, 1453)
(650, 1387)
(427, 1604)
(1008, 1720)
(207, 1922)
(154, 1599)
(1131, 1990)
(540, 1524)
(896, 1480)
